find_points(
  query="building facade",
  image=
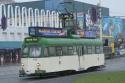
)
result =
(19, 16)
(6, 1)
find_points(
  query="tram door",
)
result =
(80, 57)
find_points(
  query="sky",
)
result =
(117, 7)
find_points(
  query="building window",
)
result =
(12, 36)
(5, 35)
(26, 35)
(19, 35)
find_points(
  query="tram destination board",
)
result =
(47, 32)
(31, 39)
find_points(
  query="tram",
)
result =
(108, 47)
(43, 55)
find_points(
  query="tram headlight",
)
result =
(38, 65)
(22, 64)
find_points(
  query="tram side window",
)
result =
(85, 50)
(58, 51)
(52, 51)
(89, 50)
(101, 49)
(65, 51)
(46, 52)
(97, 49)
(93, 49)
(70, 50)
(74, 50)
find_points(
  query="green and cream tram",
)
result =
(42, 55)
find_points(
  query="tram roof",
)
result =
(66, 41)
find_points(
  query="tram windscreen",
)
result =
(25, 50)
(34, 51)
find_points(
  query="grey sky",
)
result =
(117, 7)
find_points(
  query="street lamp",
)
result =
(100, 18)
